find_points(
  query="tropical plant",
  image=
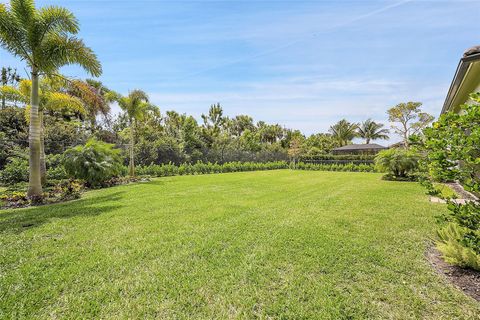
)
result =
(371, 130)
(344, 131)
(45, 39)
(399, 163)
(8, 77)
(52, 97)
(452, 153)
(95, 96)
(15, 171)
(135, 106)
(95, 162)
(410, 120)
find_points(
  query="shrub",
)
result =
(453, 153)
(350, 167)
(15, 171)
(95, 162)
(55, 168)
(454, 249)
(69, 190)
(399, 164)
(13, 199)
(206, 168)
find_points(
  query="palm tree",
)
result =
(371, 130)
(96, 96)
(344, 131)
(135, 106)
(52, 97)
(45, 39)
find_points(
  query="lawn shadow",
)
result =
(20, 220)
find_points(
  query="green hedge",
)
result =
(164, 170)
(351, 167)
(338, 157)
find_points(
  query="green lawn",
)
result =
(271, 244)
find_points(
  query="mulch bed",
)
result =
(466, 280)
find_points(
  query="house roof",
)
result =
(466, 79)
(369, 146)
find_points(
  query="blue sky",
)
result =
(302, 64)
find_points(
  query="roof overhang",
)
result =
(465, 81)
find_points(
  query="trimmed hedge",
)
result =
(350, 167)
(164, 170)
(338, 157)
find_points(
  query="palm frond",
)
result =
(57, 19)
(58, 50)
(12, 94)
(24, 11)
(58, 101)
(12, 35)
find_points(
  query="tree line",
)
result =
(49, 112)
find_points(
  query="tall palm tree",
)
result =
(52, 97)
(45, 39)
(344, 131)
(135, 106)
(371, 130)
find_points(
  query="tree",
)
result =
(135, 106)
(344, 131)
(8, 76)
(214, 120)
(371, 130)
(411, 120)
(295, 149)
(52, 98)
(45, 39)
(95, 97)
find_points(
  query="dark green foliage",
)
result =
(15, 171)
(207, 168)
(95, 162)
(398, 163)
(55, 169)
(351, 167)
(452, 148)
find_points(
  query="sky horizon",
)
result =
(301, 64)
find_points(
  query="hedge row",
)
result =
(338, 157)
(351, 167)
(164, 170)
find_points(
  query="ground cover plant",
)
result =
(265, 244)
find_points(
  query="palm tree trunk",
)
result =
(43, 166)
(131, 165)
(34, 180)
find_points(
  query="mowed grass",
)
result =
(272, 244)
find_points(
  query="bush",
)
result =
(206, 168)
(399, 164)
(15, 171)
(452, 153)
(350, 167)
(454, 249)
(95, 162)
(13, 199)
(55, 169)
(69, 190)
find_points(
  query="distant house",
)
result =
(370, 148)
(465, 81)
